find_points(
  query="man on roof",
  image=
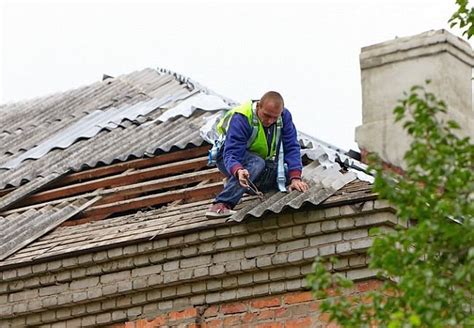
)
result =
(260, 150)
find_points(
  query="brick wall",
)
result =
(252, 259)
(288, 310)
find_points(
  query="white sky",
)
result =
(308, 51)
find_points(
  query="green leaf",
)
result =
(415, 320)
(453, 125)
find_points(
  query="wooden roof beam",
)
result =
(127, 192)
(135, 164)
(212, 174)
(128, 178)
(196, 193)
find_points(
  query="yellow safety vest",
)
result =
(257, 143)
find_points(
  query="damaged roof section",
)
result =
(96, 194)
(127, 146)
(21, 228)
(151, 224)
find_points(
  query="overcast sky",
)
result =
(309, 51)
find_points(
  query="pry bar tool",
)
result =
(253, 188)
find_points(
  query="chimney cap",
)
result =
(425, 43)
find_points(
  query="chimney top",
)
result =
(423, 44)
(391, 67)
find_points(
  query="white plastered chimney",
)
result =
(389, 68)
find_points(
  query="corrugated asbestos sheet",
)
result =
(323, 183)
(115, 120)
(131, 139)
(87, 127)
(18, 230)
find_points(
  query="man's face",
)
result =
(268, 112)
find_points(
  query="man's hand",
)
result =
(243, 176)
(298, 184)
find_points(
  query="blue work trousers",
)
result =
(262, 174)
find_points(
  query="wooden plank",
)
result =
(5, 191)
(202, 192)
(213, 175)
(85, 220)
(136, 164)
(150, 186)
(128, 178)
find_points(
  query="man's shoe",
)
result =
(219, 210)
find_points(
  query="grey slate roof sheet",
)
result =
(323, 182)
(87, 127)
(64, 112)
(19, 230)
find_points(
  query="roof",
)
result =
(130, 154)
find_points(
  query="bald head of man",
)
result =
(269, 108)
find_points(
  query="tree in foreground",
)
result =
(463, 18)
(428, 268)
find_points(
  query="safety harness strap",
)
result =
(281, 179)
(253, 136)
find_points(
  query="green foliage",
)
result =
(428, 268)
(464, 17)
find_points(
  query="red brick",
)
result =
(368, 285)
(366, 299)
(266, 302)
(249, 317)
(142, 323)
(314, 306)
(185, 314)
(332, 325)
(298, 323)
(269, 325)
(233, 308)
(158, 321)
(298, 298)
(117, 325)
(324, 317)
(215, 323)
(211, 311)
(281, 312)
(193, 325)
(332, 292)
(266, 314)
(130, 324)
(231, 320)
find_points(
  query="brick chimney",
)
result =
(389, 68)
